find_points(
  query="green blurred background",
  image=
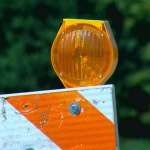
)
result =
(27, 31)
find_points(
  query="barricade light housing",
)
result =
(84, 53)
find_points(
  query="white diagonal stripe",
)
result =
(102, 99)
(18, 133)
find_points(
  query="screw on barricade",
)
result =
(74, 108)
(30, 149)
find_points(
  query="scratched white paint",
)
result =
(53, 91)
(102, 99)
(17, 133)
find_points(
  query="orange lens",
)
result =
(81, 55)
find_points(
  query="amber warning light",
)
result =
(84, 53)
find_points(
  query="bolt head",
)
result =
(100, 76)
(61, 74)
(74, 108)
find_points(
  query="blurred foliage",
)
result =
(134, 144)
(28, 28)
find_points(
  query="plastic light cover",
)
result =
(81, 55)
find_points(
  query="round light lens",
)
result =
(81, 55)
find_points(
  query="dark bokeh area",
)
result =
(27, 31)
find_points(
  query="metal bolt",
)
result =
(102, 35)
(74, 108)
(100, 76)
(63, 33)
(61, 74)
